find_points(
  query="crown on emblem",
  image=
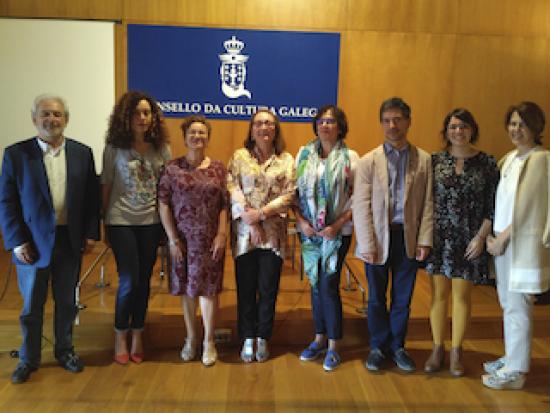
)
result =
(233, 46)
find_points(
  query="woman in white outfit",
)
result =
(521, 244)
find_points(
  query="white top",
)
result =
(506, 190)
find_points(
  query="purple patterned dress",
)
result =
(196, 196)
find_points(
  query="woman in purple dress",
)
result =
(193, 202)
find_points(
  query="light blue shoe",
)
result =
(313, 351)
(332, 360)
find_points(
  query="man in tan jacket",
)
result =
(392, 214)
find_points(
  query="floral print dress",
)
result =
(461, 203)
(196, 197)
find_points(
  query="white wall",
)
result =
(74, 59)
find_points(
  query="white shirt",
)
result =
(56, 170)
(506, 191)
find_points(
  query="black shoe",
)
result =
(375, 359)
(22, 373)
(403, 360)
(70, 361)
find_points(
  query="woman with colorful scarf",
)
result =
(324, 172)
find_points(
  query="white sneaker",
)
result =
(513, 380)
(262, 352)
(247, 352)
(491, 367)
(189, 350)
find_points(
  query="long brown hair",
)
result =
(120, 133)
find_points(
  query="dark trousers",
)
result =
(135, 250)
(64, 269)
(388, 329)
(326, 303)
(258, 273)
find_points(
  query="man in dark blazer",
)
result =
(49, 212)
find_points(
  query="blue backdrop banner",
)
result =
(229, 73)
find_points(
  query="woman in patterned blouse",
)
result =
(261, 183)
(465, 181)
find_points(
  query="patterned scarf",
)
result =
(322, 200)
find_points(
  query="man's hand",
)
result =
(25, 253)
(422, 252)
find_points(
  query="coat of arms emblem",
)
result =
(233, 69)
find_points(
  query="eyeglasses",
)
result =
(328, 121)
(456, 126)
(518, 125)
(259, 123)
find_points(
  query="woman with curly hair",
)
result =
(136, 150)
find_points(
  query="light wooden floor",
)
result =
(283, 384)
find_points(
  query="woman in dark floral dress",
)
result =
(465, 181)
(193, 203)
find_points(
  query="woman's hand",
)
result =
(329, 232)
(474, 248)
(106, 237)
(257, 234)
(497, 245)
(251, 216)
(305, 227)
(368, 257)
(177, 250)
(218, 247)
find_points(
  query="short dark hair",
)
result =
(395, 103)
(531, 114)
(278, 142)
(465, 116)
(339, 115)
(189, 120)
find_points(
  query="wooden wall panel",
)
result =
(403, 15)
(292, 14)
(507, 17)
(377, 65)
(493, 72)
(436, 54)
(183, 12)
(63, 9)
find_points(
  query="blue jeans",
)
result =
(64, 269)
(326, 303)
(135, 250)
(388, 329)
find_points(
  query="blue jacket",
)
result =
(26, 209)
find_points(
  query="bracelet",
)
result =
(171, 242)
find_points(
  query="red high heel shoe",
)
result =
(137, 357)
(122, 358)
